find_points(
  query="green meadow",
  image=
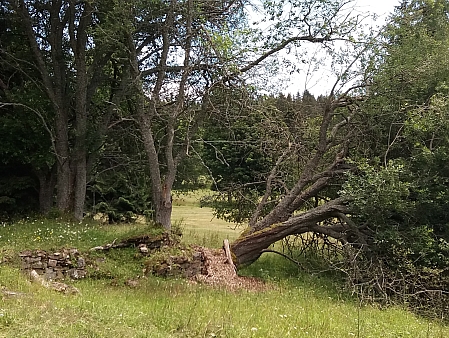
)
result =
(296, 304)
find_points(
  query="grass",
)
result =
(174, 308)
(298, 305)
(199, 224)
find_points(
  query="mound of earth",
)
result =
(221, 274)
(167, 257)
(201, 265)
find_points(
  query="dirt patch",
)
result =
(201, 265)
(219, 273)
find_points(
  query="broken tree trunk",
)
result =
(250, 245)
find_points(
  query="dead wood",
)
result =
(227, 251)
(9, 293)
(150, 242)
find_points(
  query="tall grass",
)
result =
(175, 308)
(296, 304)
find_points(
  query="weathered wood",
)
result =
(151, 242)
(248, 247)
(9, 293)
(105, 247)
(227, 251)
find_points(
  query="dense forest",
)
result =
(111, 106)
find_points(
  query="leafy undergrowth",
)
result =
(120, 301)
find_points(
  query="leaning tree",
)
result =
(316, 150)
(310, 203)
(375, 177)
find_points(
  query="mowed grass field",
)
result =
(296, 304)
(199, 224)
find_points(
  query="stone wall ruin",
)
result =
(60, 265)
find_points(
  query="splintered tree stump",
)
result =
(227, 251)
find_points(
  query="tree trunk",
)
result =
(47, 183)
(80, 151)
(249, 246)
(63, 185)
(79, 46)
(79, 164)
(163, 207)
(161, 190)
(80, 185)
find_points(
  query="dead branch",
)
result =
(150, 242)
(285, 256)
(106, 246)
(269, 187)
(9, 293)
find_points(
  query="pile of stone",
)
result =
(184, 265)
(60, 265)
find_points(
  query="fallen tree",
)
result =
(249, 246)
(308, 205)
(388, 218)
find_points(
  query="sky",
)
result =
(380, 7)
(320, 82)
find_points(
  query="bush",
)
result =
(406, 258)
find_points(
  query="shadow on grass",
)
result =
(271, 267)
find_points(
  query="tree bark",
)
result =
(248, 247)
(63, 185)
(81, 107)
(163, 210)
(47, 183)
(287, 216)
